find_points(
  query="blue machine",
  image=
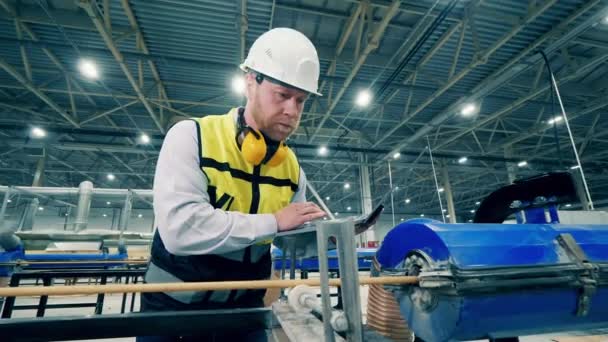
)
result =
(364, 260)
(494, 280)
(9, 259)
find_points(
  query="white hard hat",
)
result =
(285, 55)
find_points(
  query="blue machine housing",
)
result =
(499, 280)
(59, 260)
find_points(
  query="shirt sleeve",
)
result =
(186, 221)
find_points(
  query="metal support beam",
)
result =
(39, 174)
(98, 22)
(516, 65)
(447, 189)
(366, 195)
(371, 46)
(31, 87)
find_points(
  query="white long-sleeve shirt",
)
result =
(185, 219)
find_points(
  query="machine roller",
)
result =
(491, 280)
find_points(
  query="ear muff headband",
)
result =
(253, 145)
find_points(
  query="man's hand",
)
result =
(296, 214)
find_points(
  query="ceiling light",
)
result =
(470, 221)
(348, 208)
(396, 188)
(327, 198)
(555, 120)
(140, 215)
(472, 211)
(346, 185)
(440, 190)
(144, 138)
(41, 208)
(444, 210)
(468, 109)
(448, 215)
(462, 160)
(238, 84)
(323, 150)
(88, 69)
(522, 163)
(363, 98)
(477, 203)
(325, 219)
(105, 215)
(421, 215)
(605, 21)
(108, 202)
(574, 167)
(336, 213)
(396, 155)
(407, 201)
(402, 219)
(111, 176)
(568, 205)
(9, 201)
(38, 132)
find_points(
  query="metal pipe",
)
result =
(34, 190)
(85, 192)
(125, 214)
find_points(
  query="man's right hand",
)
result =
(296, 214)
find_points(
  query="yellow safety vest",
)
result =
(233, 183)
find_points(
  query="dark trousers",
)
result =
(151, 302)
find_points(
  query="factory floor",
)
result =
(112, 305)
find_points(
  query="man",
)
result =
(225, 185)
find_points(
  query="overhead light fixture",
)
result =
(396, 155)
(238, 84)
(9, 201)
(347, 186)
(472, 211)
(440, 190)
(38, 132)
(468, 109)
(364, 98)
(336, 213)
(470, 221)
(111, 176)
(396, 188)
(327, 198)
(443, 210)
(462, 160)
(477, 203)
(402, 219)
(105, 215)
(522, 163)
(144, 138)
(605, 21)
(448, 215)
(555, 120)
(323, 150)
(140, 215)
(407, 201)
(348, 208)
(41, 208)
(574, 167)
(108, 202)
(325, 219)
(421, 215)
(568, 205)
(88, 68)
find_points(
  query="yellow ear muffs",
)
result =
(278, 156)
(253, 146)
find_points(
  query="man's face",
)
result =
(276, 109)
